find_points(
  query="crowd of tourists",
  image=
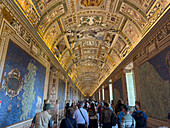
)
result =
(93, 114)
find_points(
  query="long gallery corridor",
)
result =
(57, 53)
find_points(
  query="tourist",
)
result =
(127, 121)
(139, 116)
(43, 119)
(69, 122)
(81, 116)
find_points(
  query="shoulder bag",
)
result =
(84, 119)
(70, 123)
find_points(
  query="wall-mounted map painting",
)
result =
(61, 93)
(154, 81)
(106, 94)
(71, 95)
(22, 89)
(117, 90)
(75, 96)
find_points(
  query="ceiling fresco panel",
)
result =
(61, 45)
(90, 20)
(112, 5)
(44, 5)
(114, 20)
(72, 6)
(90, 33)
(66, 55)
(69, 21)
(144, 5)
(115, 57)
(90, 43)
(30, 10)
(51, 34)
(132, 32)
(69, 63)
(134, 14)
(119, 45)
(59, 10)
(156, 10)
(91, 4)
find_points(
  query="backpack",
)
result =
(113, 120)
(140, 119)
(120, 115)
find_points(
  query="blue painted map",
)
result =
(29, 100)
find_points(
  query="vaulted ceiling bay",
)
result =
(90, 38)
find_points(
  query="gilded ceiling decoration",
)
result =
(90, 38)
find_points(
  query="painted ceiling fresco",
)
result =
(90, 38)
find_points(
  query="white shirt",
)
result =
(79, 118)
(42, 119)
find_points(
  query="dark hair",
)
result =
(92, 106)
(121, 107)
(69, 112)
(119, 102)
(126, 107)
(67, 106)
(106, 104)
(137, 103)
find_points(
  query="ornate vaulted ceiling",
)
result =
(90, 38)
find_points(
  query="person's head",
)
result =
(125, 108)
(47, 107)
(92, 106)
(137, 105)
(106, 105)
(69, 112)
(81, 104)
(121, 108)
(67, 104)
(98, 104)
(119, 101)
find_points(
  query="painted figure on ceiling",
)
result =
(92, 2)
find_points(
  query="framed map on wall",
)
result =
(154, 81)
(117, 90)
(71, 95)
(22, 89)
(75, 96)
(61, 93)
(106, 94)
